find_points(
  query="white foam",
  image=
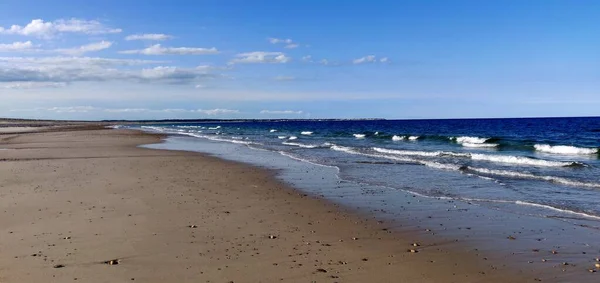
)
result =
(479, 145)
(564, 149)
(556, 209)
(281, 137)
(413, 138)
(525, 175)
(517, 160)
(293, 138)
(376, 133)
(359, 136)
(407, 152)
(398, 138)
(301, 145)
(306, 133)
(272, 131)
(214, 128)
(398, 158)
(520, 160)
(470, 140)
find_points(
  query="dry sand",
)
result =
(71, 201)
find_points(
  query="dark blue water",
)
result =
(550, 165)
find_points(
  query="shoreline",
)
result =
(309, 234)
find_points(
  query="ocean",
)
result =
(550, 163)
(538, 178)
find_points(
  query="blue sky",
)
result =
(299, 59)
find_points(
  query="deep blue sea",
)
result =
(550, 164)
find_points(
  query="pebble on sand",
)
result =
(113, 262)
(59, 266)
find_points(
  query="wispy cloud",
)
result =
(289, 44)
(366, 59)
(284, 78)
(30, 85)
(17, 46)
(370, 59)
(278, 40)
(157, 49)
(92, 47)
(149, 36)
(87, 109)
(280, 112)
(40, 28)
(259, 57)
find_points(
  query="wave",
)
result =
(398, 138)
(214, 128)
(518, 160)
(479, 145)
(293, 138)
(525, 175)
(470, 140)
(272, 131)
(359, 136)
(306, 133)
(556, 209)
(281, 137)
(301, 144)
(219, 139)
(564, 149)
(413, 138)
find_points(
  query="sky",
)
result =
(229, 59)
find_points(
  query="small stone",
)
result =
(511, 238)
(544, 260)
(193, 226)
(322, 270)
(598, 265)
(412, 251)
(535, 250)
(592, 270)
(272, 237)
(354, 238)
(342, 262)
(416, 245)
(554, 252)
(67, 238)
(112, 262)
(365, 259)
(59, 266)
(565, 263)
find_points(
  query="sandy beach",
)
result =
(91, 206)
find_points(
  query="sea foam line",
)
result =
(565, 149)
(518, 160)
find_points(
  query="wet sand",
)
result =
(73, 202)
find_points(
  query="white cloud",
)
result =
(218, 111)
(92, 47)
(324, 62)
(16, 46)
(278, 40)
(71, 109)
(261, 57)
(70, 61)
(86, 109)
(279, 112)
(284, 78)
(307, 58)
(157, 49)
(366, 59)
(149, 36)
(40, 28)
(384, 60)
(291, 46)
(65, 70)
(29, 85)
